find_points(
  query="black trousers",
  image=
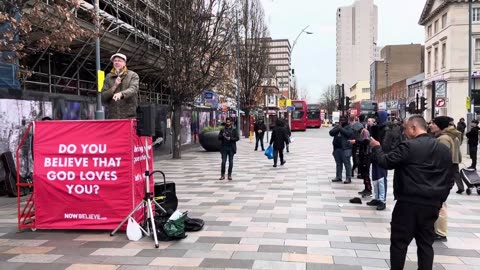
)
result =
(364, 171)
(259, 138)
(473, 155)
(412, 221)
(227, 152)
(277, 152)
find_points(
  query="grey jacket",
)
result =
(127, 106)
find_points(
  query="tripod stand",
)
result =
(146, 203)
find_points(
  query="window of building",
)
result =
(429, 62)
(365, 90)
(429, 31)
(476, 14)
(435, 27)
(444, 55)
(477, 50)
(435, 59)
(444, 20)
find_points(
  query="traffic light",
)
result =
(423, 104)
(347, 103)
(340, 104)
(411, 108)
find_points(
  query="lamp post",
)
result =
(472, 103)
(304, 30)
(99, 113)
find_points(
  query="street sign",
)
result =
(290, 108)
(440, 89)
(289, 102)
(468, 103)
(440, 102)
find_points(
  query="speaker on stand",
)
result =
(145, 128)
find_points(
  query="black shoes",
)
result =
(471, 168)
(381, 206)
(373, 202)
(460, 191)
(336, 180)
(440, 238)
(222, 177)
(365, 193)
(274, 165)
(348, 181)
(282, 163)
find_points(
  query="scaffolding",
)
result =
(137, 28)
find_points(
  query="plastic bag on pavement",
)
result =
(269, 152)
(175, 227)
(134, 233)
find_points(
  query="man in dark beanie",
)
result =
(449, 136)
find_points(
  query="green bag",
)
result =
(175, 228)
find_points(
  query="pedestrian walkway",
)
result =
(289, 217)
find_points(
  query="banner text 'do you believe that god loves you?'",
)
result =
(87, 174)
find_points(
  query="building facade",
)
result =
(279, 58)
(446, 53)
(398, 62)
(356, 41)
(360, 91)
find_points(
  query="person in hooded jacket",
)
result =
(450, 137)
(279, 139)
(388, 134)
(342, 150)
(362, 144)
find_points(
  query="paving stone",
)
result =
(291, 217)
(227, 263)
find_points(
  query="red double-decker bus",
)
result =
(299, 115)
(368, 108)
(313, 116)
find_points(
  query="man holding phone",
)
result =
(120, 88)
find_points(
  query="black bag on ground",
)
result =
(471, 179)
(193, 224)
(11, 176)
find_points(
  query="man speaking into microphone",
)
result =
(120, 89)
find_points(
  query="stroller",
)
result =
(471, 179)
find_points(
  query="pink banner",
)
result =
(87, 174)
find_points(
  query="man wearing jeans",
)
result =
(342, 150)
(229, 138)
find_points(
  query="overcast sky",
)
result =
(314, 55)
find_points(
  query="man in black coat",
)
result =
(461, 126)
(421, 183)
(279, 139)
(259, 129)
(472, 137)
(229, 138)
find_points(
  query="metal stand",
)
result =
(146, 203)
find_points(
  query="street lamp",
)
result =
(304, 30)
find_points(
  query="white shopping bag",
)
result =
(292, 139)
(134, 233)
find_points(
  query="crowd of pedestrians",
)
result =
(426, 158)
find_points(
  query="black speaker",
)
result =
(11, 176)
(146, 120)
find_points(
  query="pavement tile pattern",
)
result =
(289, 217)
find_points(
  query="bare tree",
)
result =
(328, 99)
(252, 53)
(30, 26)
(201, 35)
(304, 94)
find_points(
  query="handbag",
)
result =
(269, 152)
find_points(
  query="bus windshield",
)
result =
(297, 114)
(313, 114)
